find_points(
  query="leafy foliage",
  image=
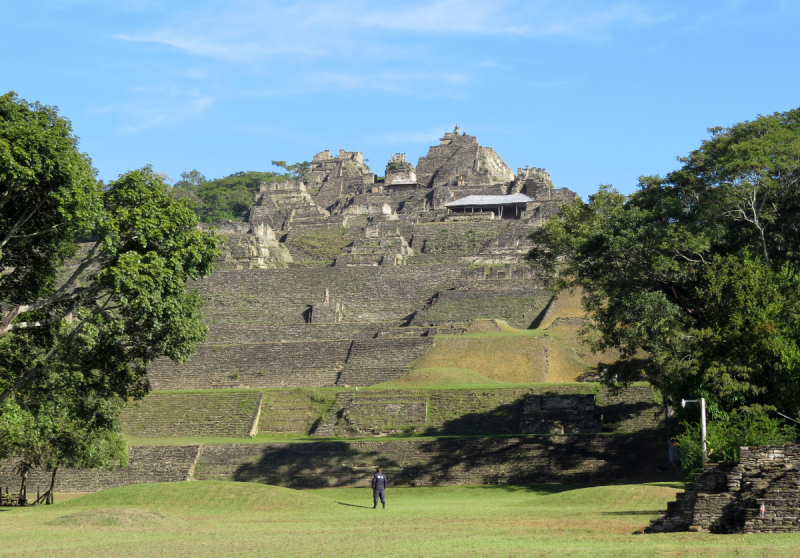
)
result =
(294, 171)
(725, 437)
(77, 335)
(697, 270)
(222, 198)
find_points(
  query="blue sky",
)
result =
(594, 91)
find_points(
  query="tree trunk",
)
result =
(23, 490)
(49, 499)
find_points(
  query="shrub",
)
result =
(724, 438)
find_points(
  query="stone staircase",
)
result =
(389, 251)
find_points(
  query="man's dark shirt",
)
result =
(379, 481)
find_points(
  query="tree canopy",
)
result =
(222, 198)
(80, 323)
(694, 277)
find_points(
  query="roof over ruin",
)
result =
(476, 200)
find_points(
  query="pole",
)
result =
(703, 429)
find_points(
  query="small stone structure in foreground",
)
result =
(726, 497)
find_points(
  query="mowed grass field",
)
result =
(247, 519)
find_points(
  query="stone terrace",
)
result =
(165, 415)
(490, 412)
(283, 296)
(146, 464)
(514, 460)
(264, 365)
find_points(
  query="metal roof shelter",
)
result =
(506, 207)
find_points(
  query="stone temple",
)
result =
(341, 279)
(344, 278)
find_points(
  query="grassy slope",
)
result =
(243, 519)
(516, 356)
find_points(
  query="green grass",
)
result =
(243, 519)
(322, 243)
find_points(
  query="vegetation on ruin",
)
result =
(221, 198)
(726, 437)
(295, 170)
(247, 519)
(698, 270)
(78, 329)
(513, 356)
(324, 244)
(399, 166)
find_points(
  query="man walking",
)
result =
(378, 486)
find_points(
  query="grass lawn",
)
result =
(245, 519)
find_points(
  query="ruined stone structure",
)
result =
(401, 175)
(332, 177)
(632, 416)
(339, 279)
(415, 462)
(726, 497)
(460, 161)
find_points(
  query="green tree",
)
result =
(80, 324)
(294, 171)
(222, 198)
(696, 271)
(725, 437)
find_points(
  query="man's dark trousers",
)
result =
(378, 494)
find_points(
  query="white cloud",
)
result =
(250, 29)
(149, 107)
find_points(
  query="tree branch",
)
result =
(59, 296)
(21, 222)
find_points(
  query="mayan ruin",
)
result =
(340, 279)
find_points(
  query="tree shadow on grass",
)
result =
(539, 489)
(637, 512)
(354, 505)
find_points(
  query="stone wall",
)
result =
(228, 334)
(373, 361)
(291, 364)
(283, 296)
(507, 300)
(726, 497)
(515, 460)
(146, 464)
(263, 365)
(446, 461)
(167, 415)
(447, 412)
(631, 409)
(461, 412)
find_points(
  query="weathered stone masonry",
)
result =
(146, 464)
(513, 460)
(725, 497)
